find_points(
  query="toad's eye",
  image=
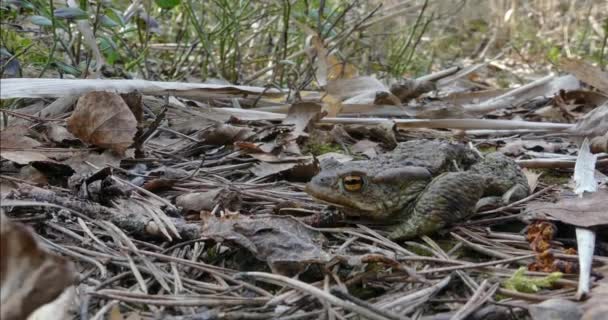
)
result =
(352, 183)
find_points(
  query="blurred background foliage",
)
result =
(268, 42)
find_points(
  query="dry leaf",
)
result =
(584, 170)
(357, 90)
(411, 88)
(596, 308)
(588, 211)
(600, 144)
(331, 105)
(532, 178)
(365, 147)
(16, 137)
(226, 134)
(103, 119)
(593, 124)
(59, 309)
(328, 66)
(300, 115)
(60, 135)
(437, 110)
(23, 157)
(85, 162)
(334, 156)
(115, 313)
(519, 147)
(298, 170)
(287, 245)
(207, 200)
(29, 276)
(585, 72)
(547, 86)
(556, 309)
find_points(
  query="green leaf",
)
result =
(20, 4)
(108, 22)
(115, 15)
(167, 4)
(106, 44)
(66, 68)
(71, 13)
(108, 48)
(41, 21)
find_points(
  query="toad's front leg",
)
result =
(449, 198)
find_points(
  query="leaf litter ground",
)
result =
(192, 206)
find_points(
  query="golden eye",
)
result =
(352, 183)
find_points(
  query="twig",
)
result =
(476, 265)
(314, 291)
(478, 299)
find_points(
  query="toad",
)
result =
(419, 187)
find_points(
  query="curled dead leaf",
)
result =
(29, 276)
(103, 119)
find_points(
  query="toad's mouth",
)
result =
(332, 197)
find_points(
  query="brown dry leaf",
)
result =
(365, 147)
(206, 201)
(359, 90)
(288, 246)
(384, 132)
(519, 147)
(328, 66)
(226, 134)
(103, 119)
(300, 115)
(16, 137)
(585, 212)
(115, 313)
(340, 69)
(134, 101)
(331, 105)
(585, 72)
(409, 89)
(81, 162)
(600, 144)
(133, 316)
(584, 97)
(29, 276)
(383, 98)
(302, 170)
(197, 201)
(23, 157)
(33, 175)
(61, 308)
(437, 110)
(547, 86)
(593, 124)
